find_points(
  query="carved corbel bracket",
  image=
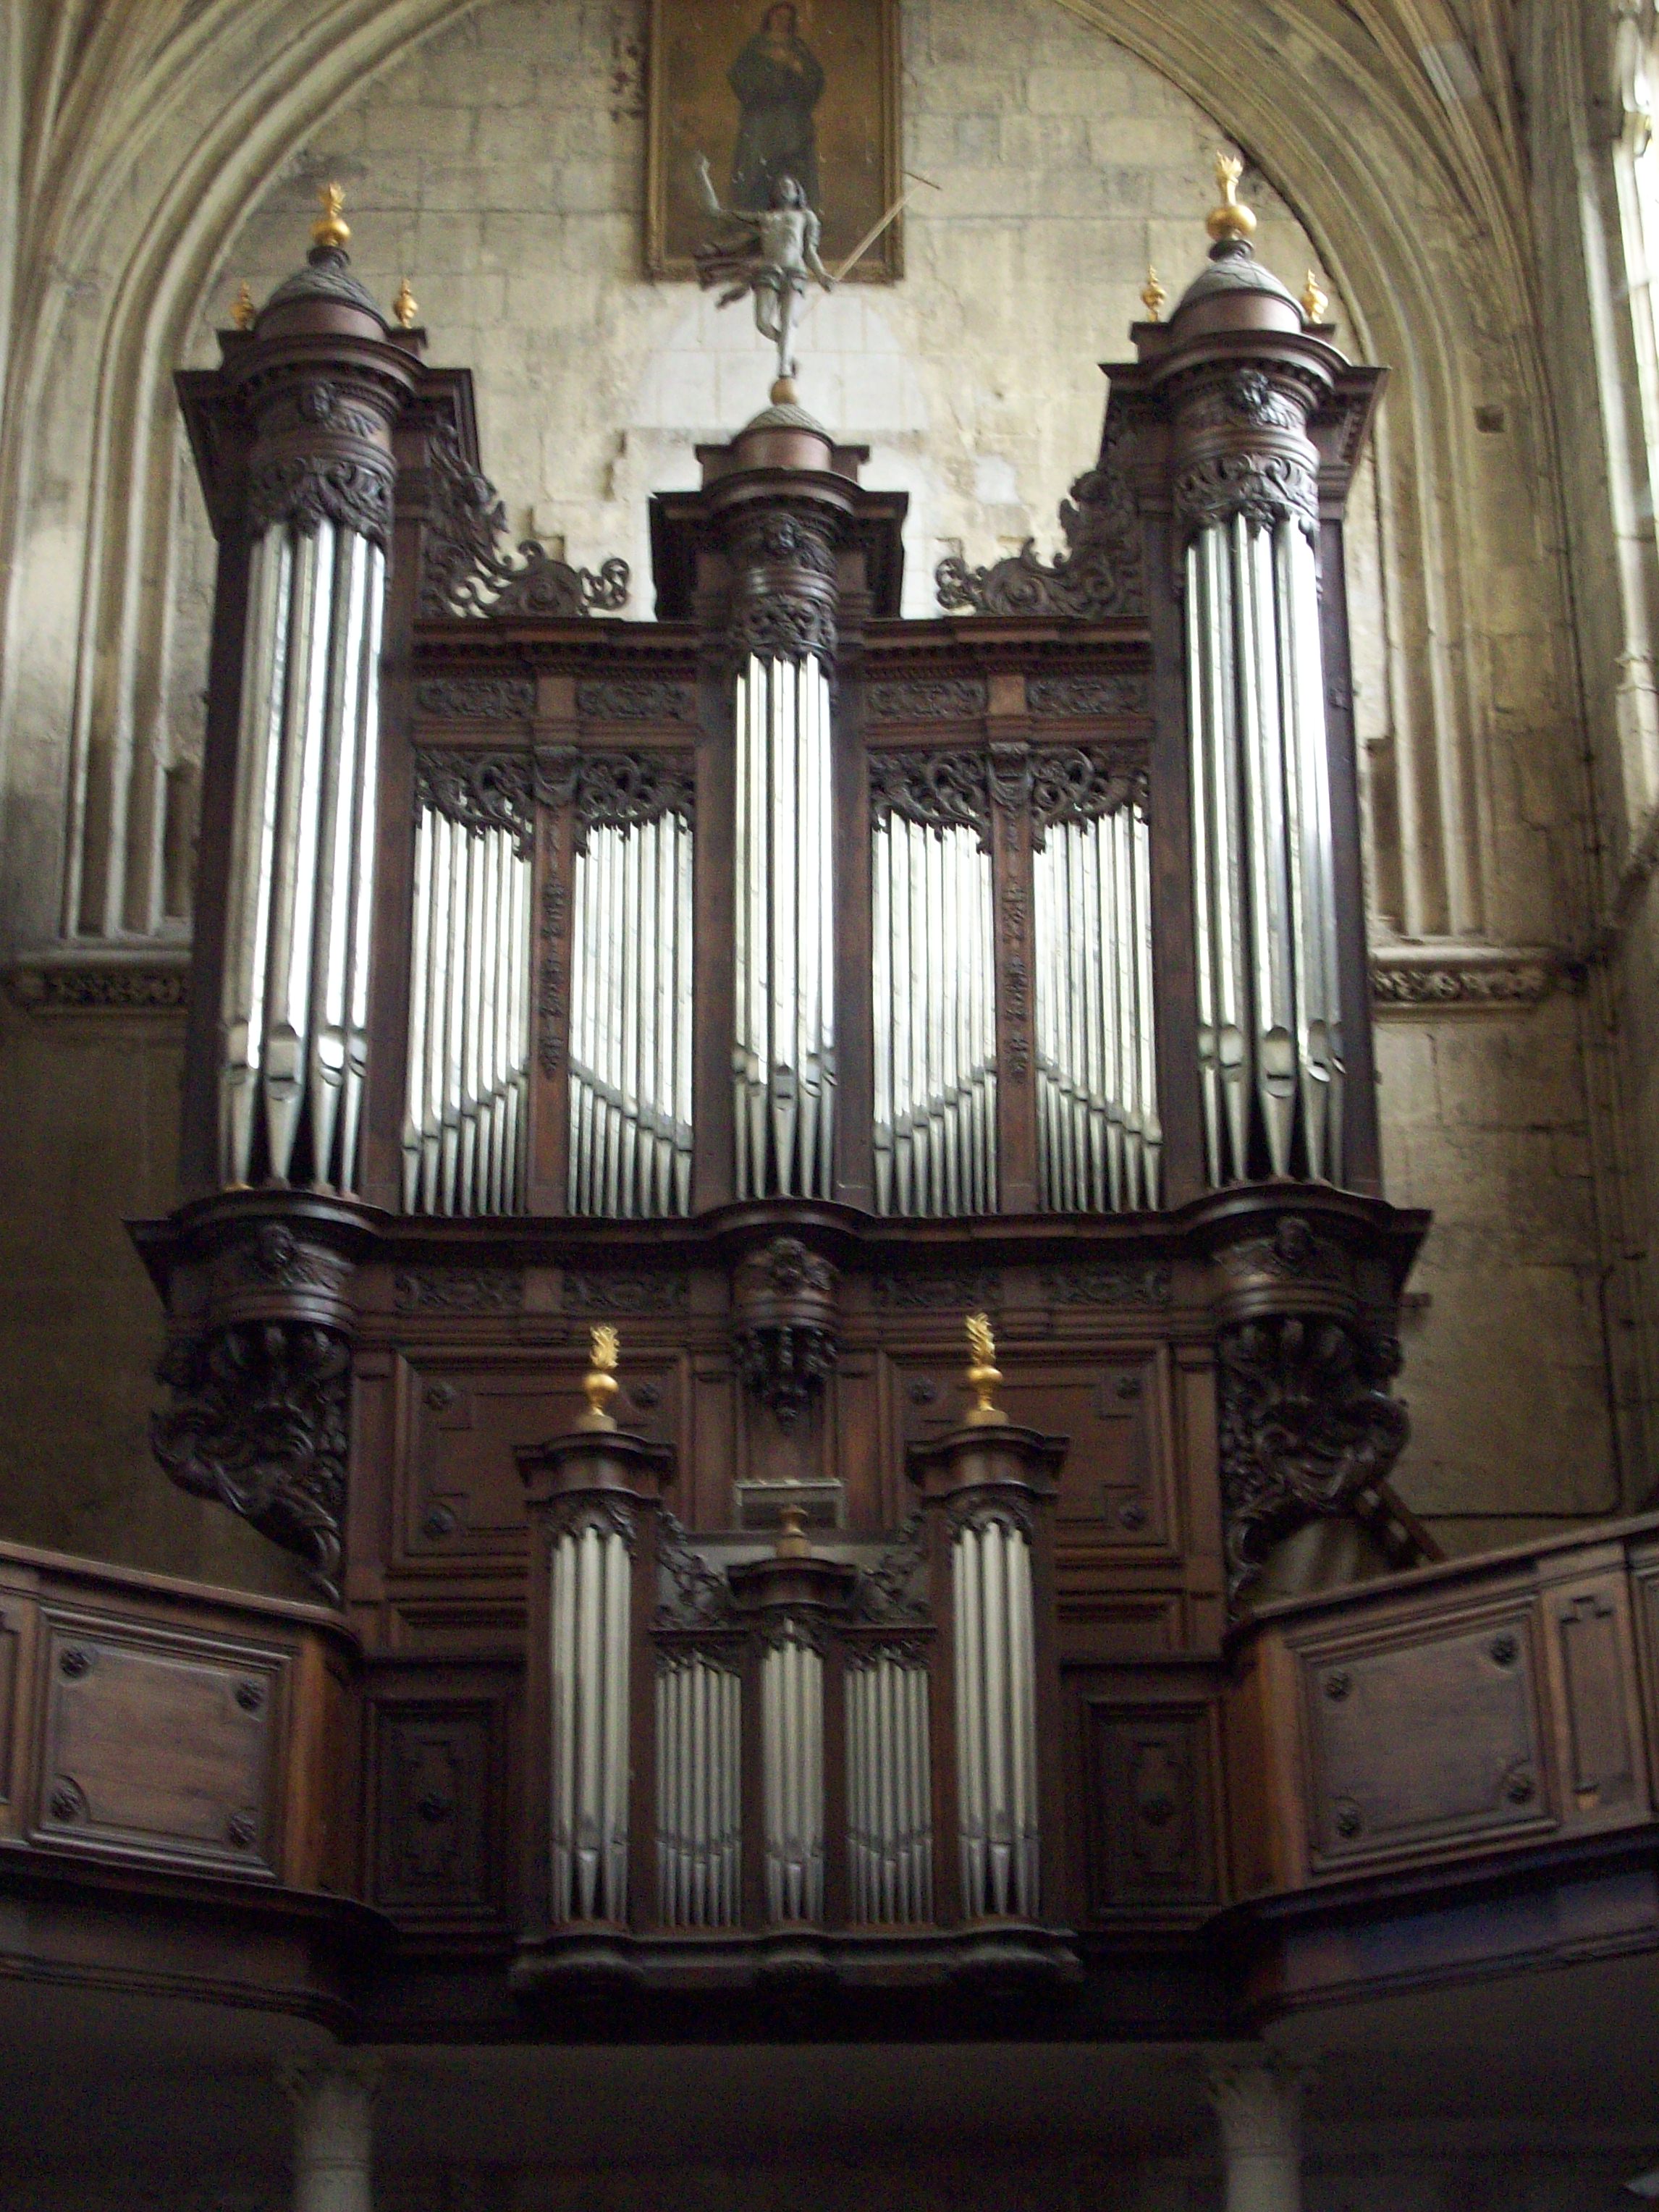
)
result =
(783, 1337)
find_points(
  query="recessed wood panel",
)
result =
(1424, 1736)
(463, 1415)
(1149, 1824)
(11, 1638)
(160, 1743)
(437, 1786)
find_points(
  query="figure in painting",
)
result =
(779, 81)
(769, 251)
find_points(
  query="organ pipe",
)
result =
(784, 1054)
(699, 1794)
(995, 1692)
(934, 1012)
(630, 1020)
(466, 1116)
(294, 1021)
(792, 1765)
(889, 1789)
(1099, 1142)
(589, 1627)
(1269, 1013)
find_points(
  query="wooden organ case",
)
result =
(778, 983)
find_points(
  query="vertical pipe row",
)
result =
(630, 1020)
(996, 1720)
(792, 1756)
(467, 1098)
(294, 1003)
(1269, 1017)
(699, 1768)
(589, 1634)
(934, 1016)
(1098, 1137)
(783, 1052)
(889, 1786)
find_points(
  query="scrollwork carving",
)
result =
(976, 1511)
(459, 1290)
(894, 1591)
(351, 490)
(1088, 695)
(259, 1424)
(1080, 783)
(927, 699)
(689, 1594)
(774, 629)
(476, 698)
(479, 791)
(965, 1290)
(1098, 575)
(463, 573)
(935, 791)
(636, 699)
(626, 1293)
(1264, 487)
(1109, 1284)
(1245, 396)
(577, 1512)
(618, 790)
(1305, 1427)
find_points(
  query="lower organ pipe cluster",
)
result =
(589, 1625)
(466, 1126)
(630, 1020)
(699, 1791)
(996, 1718)
(294, 1012)
(1269, 1017)
(1098, 1139)
(784, 1053)
(889, 1840)
(791, 1765)
(934, 1010)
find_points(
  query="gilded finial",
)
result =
(243, 313)
(792, 1534)
(1315, 299)
(1231, 220)
(1152, 296)
(405, 307)
(331, 230)
(599, 1384)
(783, 392)
(982, 1374)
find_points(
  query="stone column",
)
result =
(333, 2131)
(1258, 2109)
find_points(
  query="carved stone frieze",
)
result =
(1305, 1426)
(934, 790)
(1098, 575)
(463, 573)
(480, 791)
(926, 698)
(259, 1422)
(1264, 487)
(625, 1293)
(476, 698)
(1081, 695)
(458, 1290)
(1454, 986)
(636, 699)
(1150, 1283)
(1081, 783)
(94, 987)
(351, 490)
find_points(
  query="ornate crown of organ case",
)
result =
(625, 1054)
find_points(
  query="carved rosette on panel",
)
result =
(783, 587)
(1098, 575)
(464, 571)
(783, 1338)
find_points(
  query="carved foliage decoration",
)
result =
(620, 791)
(925, 699)
(784, 606)
(784, 1364)
(480, 791)
(1083, 695)
(259, 1422)
(1098, 575)
(894, 1592)
(1264, 487)
(351, 490)
(935, 791)
(476, 698)
(624, 1293)
(1080, 783)
(636, 699)
(1104, 1283)
(501, 790)
(463, 573)
(459, 1290)
(689, 1593)
(1305, 1426)
(575, 1513)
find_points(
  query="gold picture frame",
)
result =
(841, 124)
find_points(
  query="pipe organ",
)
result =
(778, 981)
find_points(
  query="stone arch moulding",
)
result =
(149, 150)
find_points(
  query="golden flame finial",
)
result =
(405, 307)
(243, 313)
(599, 1384)
(1231, 220)
(1315, 299)
(331, 229)
(1152, 296)
(981, 1375)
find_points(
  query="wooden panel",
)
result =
(161, 1742)
(1150, 1789)
(463, 1413)
(1593, 1669)
(437, 1820)
(1114, 1485)
(12, 1614)
(1424, 1733)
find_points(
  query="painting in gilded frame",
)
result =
(812, 86)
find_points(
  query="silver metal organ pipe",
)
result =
(890, 1824)
(791, 1750)
(1270, 1057)
(783, 1055)
(999, 1833)
(589, 1639)
(1098, 1141)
